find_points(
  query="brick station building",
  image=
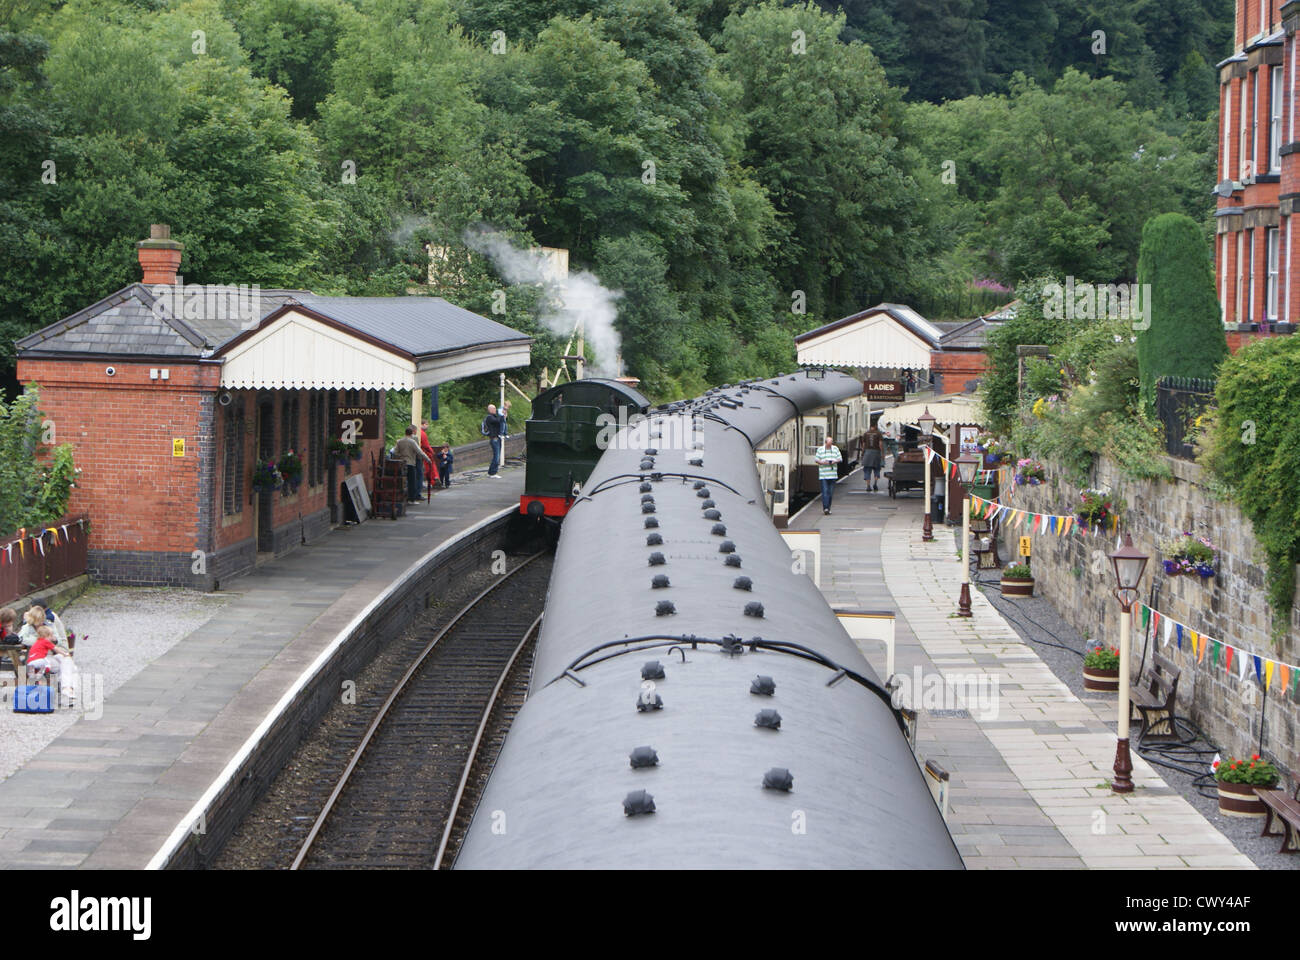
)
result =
(1259, 174)
(170, 392)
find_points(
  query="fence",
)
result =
(1179, 401)
(32, 562)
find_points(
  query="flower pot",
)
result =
(1101, 680)
(1017, 586)
(1240, 800)
(1204, 570)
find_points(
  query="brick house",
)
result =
(170, 392)
(1259, 173)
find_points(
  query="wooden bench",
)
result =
(1155, 704)
(1284, 811)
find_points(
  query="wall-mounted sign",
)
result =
(967, 444)
(358, 421)
(1025, 548)
(178, 447)
(883, 389)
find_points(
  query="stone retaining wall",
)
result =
(1075, 574)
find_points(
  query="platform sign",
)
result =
(360, 421)
(883, 389)
(178, 447)
(1024, 546)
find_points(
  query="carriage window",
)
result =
(812, 437)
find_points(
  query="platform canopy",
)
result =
(287, 339)
(947, 410)
(888, 335)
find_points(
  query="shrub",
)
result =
(35, 481)
(1185, 338)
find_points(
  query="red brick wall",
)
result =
(953, 371)
(138, 495)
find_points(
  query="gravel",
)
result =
(125, 629)
(1039, 623)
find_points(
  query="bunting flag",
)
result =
(1285, 672)
(1268, 674)
(1227, 659)
(1259, 674)
(40, 542)
(1214, 654)
(1178, 628)
(1169, 630)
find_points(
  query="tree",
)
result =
(1185, 337)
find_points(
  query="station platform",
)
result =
(111, 792)
(1029, 770)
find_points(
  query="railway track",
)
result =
(394, 805)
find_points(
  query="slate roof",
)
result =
(199, 321)
(901, 313)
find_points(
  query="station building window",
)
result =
(232, 464)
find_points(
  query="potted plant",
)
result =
(290, 467)
(341, 452)
(994, 450)
(266, 477)
(1101, 669)
(1096, 509)
(1189, 554)
(1029, 472)
(1017, 580)
(1237, 780)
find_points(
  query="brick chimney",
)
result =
(160, 255)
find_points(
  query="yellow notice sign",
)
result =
(178, 447)
(1024, 547)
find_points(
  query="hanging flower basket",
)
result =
(1190, 555)
(290, 467)
(1097, 510)
(341, 452)
(1029, 472)
(266, 477)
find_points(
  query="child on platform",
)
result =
(46, 654)
(33, 620)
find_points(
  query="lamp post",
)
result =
(1129, 564)
(926, 422)
(966, 467)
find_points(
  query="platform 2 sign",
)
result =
(883, 389)
(1026, 547)
(355, 422)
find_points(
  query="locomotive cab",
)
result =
(566, 437)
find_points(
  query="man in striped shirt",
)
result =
(827, 459)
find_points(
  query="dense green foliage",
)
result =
(35, 479)
(1186, 337)
(1253, 447)
(739, 170)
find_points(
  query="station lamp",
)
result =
(1129, 563)
(966, 467)
(926, 422)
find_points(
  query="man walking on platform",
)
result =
(409, 452)
(873, 457)
(828, 460)
(494, 428)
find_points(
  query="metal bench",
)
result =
(1155, 705)
(1284, 811)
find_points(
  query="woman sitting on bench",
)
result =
(45, 655)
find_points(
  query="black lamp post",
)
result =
(966, 467)
(926, 422)
(1129, 564)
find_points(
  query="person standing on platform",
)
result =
(430, 467)
(409, 452)
(828, 462)
(494, 428)
(873, 457)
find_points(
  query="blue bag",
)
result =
(36, 698)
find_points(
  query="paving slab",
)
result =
(109, 790)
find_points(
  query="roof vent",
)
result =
(656, 477)
(648, 700)
(769, 719)
(718, 530)
(732, 645)
(652, 670)
(754, 609)
(743, 583)
(654, 540)
(696, 462)
(647, 498)
(651, 522)
(778, 778)
(647, 464)
(657, 559)
(702, 492)
(648, 507)
(698, 485)
(763, 686)
(643, 757)
(733, 560)
(726, 546)
(665, 608)
(645, 487)
(707, 505)
(638, 802)
(659, 582)
(651, 452)
(712, 514)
